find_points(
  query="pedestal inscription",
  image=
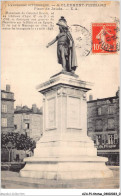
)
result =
(51, 113)
(73, 112)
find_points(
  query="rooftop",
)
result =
(4, 91)
(103, 99)
(26, 109)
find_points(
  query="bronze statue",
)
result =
(65, 47)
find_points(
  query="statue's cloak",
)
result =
(72, 57)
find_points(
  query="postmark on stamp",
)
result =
(104, 38)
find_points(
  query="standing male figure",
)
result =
(65, 47)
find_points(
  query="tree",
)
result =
(8, 142)
(25, 143)
(17, 141)
(7, 138)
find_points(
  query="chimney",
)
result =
(34, 108)
(118, 92)
(8, 88)
(90, 97)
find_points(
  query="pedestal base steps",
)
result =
(66, 158)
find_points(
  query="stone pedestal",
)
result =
(65, 151)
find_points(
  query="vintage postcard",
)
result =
(60, 96)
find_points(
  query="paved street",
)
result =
(12, 180)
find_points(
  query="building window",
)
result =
(98, 125)
(116, 139)
(4, 95)
(98, 139)
(110, 109)
(110, 123)
(4, 108)
(114, 101)
(99, 111)
(4, 122)
(15, 126)
(111, 139)
(26, 125)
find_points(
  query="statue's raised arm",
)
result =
(65, 47)
(52, 42)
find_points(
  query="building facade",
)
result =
(7, 110)
(103, 127)
(28, 121)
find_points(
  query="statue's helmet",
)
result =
(62, 22)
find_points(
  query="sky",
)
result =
(26, 62)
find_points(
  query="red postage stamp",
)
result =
(104, 38)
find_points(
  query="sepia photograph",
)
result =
(60, 87)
